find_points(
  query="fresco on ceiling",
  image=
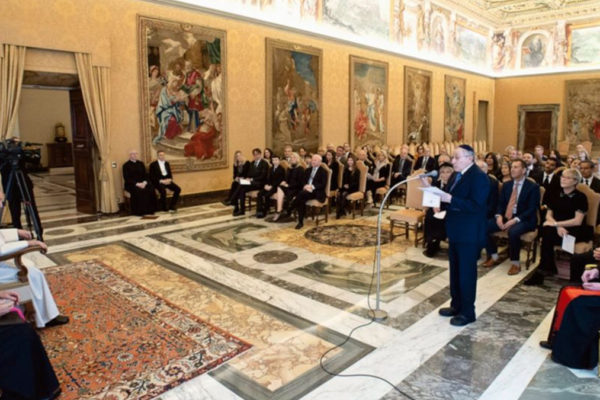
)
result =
(364, 18)
(471, 46)
(584, 45)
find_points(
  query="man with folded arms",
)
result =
(517, 214)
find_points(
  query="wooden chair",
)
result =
(357, 199)
(21, 286)
(413, 216)
(529, 240)
(315, 205)
(340, 179)
(380, 192)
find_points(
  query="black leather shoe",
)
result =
(237, 213)
(546, 344)
(260, 215)
(60, 320)
(447, 312)
(461, 320)
(536, 279)
(300, 225)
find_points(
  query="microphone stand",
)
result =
(378, 314)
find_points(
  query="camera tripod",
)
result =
(17, 175)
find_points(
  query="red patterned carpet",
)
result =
(124, 341)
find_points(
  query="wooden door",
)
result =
(538, 129)
(83, 145)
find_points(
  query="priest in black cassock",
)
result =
(137, 183)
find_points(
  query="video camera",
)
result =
(13, 151)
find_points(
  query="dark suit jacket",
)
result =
(431, 163)
(276, 176)
(319, 182)
(258, 173)
(133, 172)
(241, 172)
(156, 175)
(492, 200)
(595, 184)
(528, 202)
(553, 188)
(537, 174)
(406, 168)
(295, 179)
(466, 220)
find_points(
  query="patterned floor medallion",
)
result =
(124, 341)
(275, 257)
(347, 235)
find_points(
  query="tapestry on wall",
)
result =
(454, 108)
(183, 100)
(368, 107)
(417, 105)
(293, 96)
(583, 111)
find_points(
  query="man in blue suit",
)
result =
(466, 226)
(516, 214)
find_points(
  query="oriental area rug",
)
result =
(124, 341)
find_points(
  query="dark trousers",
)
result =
(578, 263)
(433, 229)
(372, 186)
(232, 190)
(463, 277)
(239, 199)
(300, 203)
(514, 238)
(25, 371)
(341, 201)
(264, 200)
(162, 189)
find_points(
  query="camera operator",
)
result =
(13, 158)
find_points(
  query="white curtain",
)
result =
(12, 64)
(95, 87)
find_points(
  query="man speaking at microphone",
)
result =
(466, 229)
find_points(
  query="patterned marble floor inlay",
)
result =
(275, 257)
(228, 238)
(346, 235)
(395, 280)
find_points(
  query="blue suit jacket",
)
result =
(528, 202)
(466, 220)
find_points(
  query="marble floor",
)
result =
(294, 295)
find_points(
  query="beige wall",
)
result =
(39, 111)
(108, 29)
(513, 92)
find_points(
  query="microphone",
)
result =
(432, 174)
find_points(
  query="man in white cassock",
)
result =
(46, 312)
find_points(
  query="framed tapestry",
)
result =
(183, 82)
(582, 122)
(454, 108)
(368, 105)
(294, 94)
(417, 105)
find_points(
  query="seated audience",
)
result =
(550, 179)
(333, 165)
(240, 170)
(290, 187)
(573, 162)
(257, 174)
(505, 171)
(539, 153)
(573, 337)
(287, 152)
(565, 215)
(443, 152)
(426, 162)
(275, 177)
(556, 155)
(377, 176)
(315, 182)
(350, 184)
(308, 158)
(137, 183)
(341, 155)
(46, 311)
(586, 168)
(492, 200)
(302, 152)
(493, 165)
(516, 214)
(533, 171)
(25, 370)
(582, 153)
(361, 155)
(162, 179)
(402, 166)
(435, 228)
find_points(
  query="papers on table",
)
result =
(244, 181)
(568, 243)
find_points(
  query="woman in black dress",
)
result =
(240, 168)
(350, 184)
(290, 187)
